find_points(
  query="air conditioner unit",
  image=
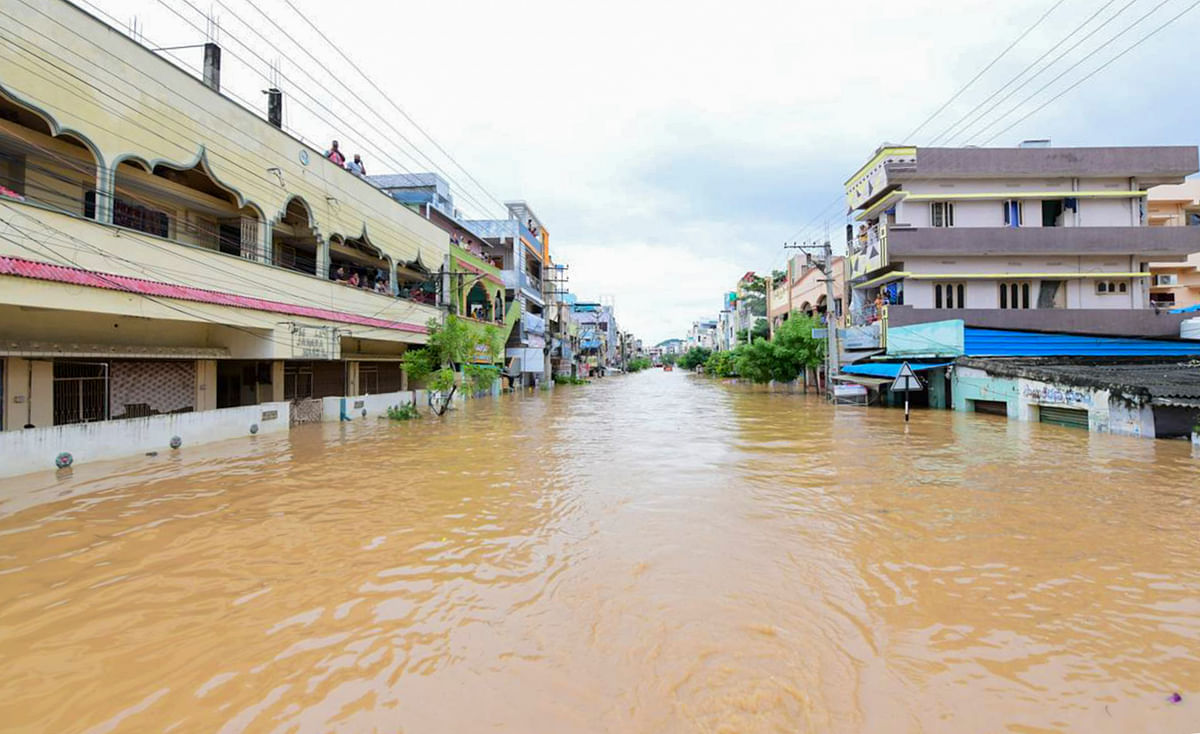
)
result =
(1166, 279)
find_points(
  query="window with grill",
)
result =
(80, 392)
(941, 214)
(368, 379)
(1014, 295)
(949, 295)
(1111, 287)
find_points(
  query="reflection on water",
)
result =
(649, 553)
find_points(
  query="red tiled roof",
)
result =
(76, 276)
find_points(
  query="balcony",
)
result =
(229, 294)
(474, 262)
(1143, 322)
(532, 239)
(1148, 242)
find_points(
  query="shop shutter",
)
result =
(992, 407)
(1069, 417)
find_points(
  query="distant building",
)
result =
(1175, 284)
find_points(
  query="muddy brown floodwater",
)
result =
(651, 553)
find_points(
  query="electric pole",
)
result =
(825, 265)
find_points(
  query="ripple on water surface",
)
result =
(657, 552)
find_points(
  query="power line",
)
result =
(1035, 62)
(342, 122)
(1087, 56)
(362, 104)
(985, 69)
(1098, 69)
(394, 225)
(383, 94)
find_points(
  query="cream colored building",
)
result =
(164, 251)
(1175, 284)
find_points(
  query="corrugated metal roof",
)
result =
(1001, 343)
(1179, 380)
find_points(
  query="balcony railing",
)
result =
(474, 261)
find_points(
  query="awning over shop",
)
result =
(887, 369)
(872, 382)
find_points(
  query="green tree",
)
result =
(695, 357)
(761, 330)
(722, 364)
(787, 356)
(637, 364)
(451, 347)
(670, 358)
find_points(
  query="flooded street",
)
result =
(651, 553)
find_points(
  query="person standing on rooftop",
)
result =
(335, 155)
(356, 166)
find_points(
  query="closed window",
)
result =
(949, 295)
(941, 214)
(1112, 287)
(1014, 295)
(1013, 213)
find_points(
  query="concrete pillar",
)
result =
(206, 384)
(393, 278)
(28, 393)
(277, 381)
(323, 259)
(212, 66)
(352, 379)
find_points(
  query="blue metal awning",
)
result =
(887, 369)
(1004, 343)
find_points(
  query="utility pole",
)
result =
(825, 265)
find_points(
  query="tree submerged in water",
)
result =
(787, 356)
(450, 350)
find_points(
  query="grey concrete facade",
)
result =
(1097, 321)
(1153, 242)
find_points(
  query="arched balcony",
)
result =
(38, 166)
(186, 204)
(358, 263)
(294, 241)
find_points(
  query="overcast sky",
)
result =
(671, 146)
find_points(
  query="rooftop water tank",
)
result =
(1190, 329)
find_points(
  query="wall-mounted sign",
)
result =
(303, 157)
(316, 342)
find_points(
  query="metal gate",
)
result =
(306, 410)
(80, 392)
(1069, 417)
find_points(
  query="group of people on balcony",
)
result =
(361, 278)
(355, 166)
(467, 244)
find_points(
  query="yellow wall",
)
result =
(89, 246)
(127, 102)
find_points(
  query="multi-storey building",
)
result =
(803, 290)
(520, 246)
(167, 255)
(1175, 284)
(473, 285)
(1035, 237)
